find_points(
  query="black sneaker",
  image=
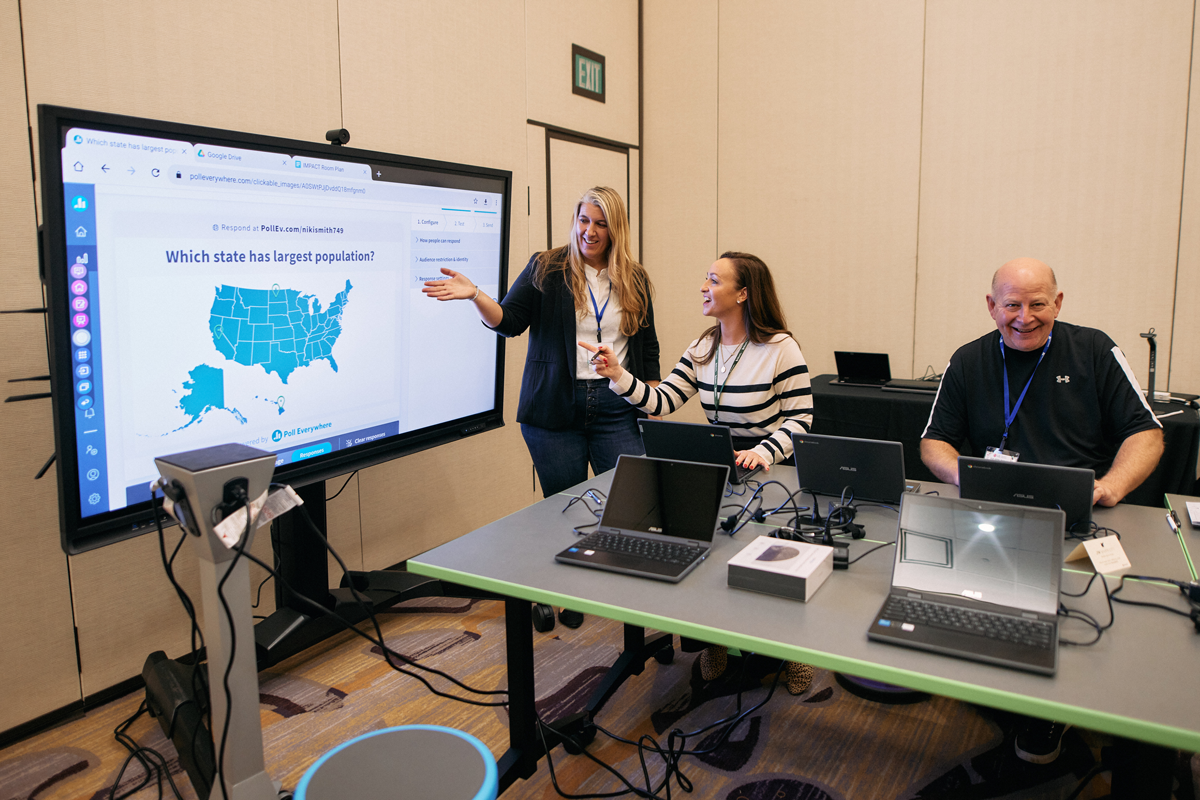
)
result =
(1039, 741)
(572, 619)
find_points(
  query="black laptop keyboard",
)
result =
(651, 549)
(1019, 630)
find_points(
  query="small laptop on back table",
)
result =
(862, 369)
(658, 522)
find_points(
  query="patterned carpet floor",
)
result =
(827, 744)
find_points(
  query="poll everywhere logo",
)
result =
(279, 435)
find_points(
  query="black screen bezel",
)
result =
(79, 534)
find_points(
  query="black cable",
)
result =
(861, 556)
(349, 478)
(671, 754)
(674, 752)
(198, 677)
(239, 549)
(596, 512)
(151, 760)
(1121, 586)
(1083, 616)
(877, 505)
(759, 515)
(1092, 531)
(388, 652)
(1087, 779)
(365, 605)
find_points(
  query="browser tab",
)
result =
(327, 168)
(237, 157)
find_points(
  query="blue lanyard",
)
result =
(1009, 416)
(599, 311)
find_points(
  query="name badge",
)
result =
(996, 454)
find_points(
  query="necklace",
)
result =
(725, 359)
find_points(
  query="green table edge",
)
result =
(1163, 735)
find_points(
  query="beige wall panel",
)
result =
(819, 161)
(679, 145)
(1053, 130)
(612, 31)
(345, 526)
(267, 67)
(427, 499)
(443, 81)
(575, 168)
(37, 660)
(273, 72)
(436, 80)
(1184, 372)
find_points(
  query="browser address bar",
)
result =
(191, 175)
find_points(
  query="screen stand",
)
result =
(304, 566)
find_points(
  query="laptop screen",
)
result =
(1027, 484)
(872, 469)
(660, 496)
(992, 552)
(863, 367)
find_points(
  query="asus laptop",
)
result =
(658, 521)
(976, 580)
(690, 441)
(862, 369)
(1041, 485)
(873, 469)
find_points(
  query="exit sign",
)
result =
(587, 73)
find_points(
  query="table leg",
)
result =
(524, 746)
(1142, 771)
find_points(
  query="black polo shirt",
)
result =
(1083, 401)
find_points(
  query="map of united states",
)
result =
(278, 329)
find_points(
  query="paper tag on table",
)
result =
(1106, 554)
(263, 509)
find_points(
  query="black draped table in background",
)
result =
(871, 413)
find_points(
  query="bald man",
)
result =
(1072, 399)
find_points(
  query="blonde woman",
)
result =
(591, 289)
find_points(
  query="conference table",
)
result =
(1105, 687)
(869, 412)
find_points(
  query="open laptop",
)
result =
(658, 521)
(872, 468)
(862, 369)
(1026, 484)
(690, 441)
(976, 580)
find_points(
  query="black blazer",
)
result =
(548, 385)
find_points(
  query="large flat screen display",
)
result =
(206, 287)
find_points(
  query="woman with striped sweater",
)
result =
(750, 375)
(747, 368)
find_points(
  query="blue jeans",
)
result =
(604, 427)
